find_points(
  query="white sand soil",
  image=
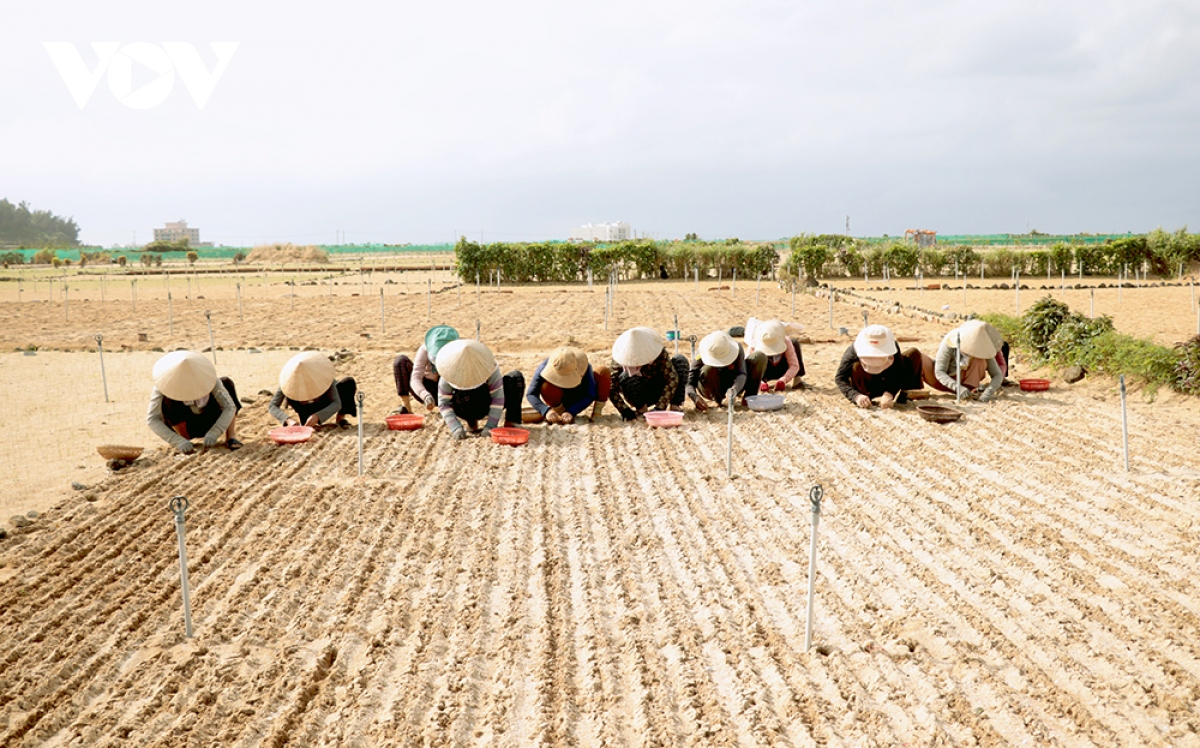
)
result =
(1001, 580)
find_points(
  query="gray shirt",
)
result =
(154, 417)
(944, 368)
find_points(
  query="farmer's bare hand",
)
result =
(566, 418)
(553, 417)
(313, 421)
(291, 422)
(701, 405)
(862, 401)
(887, 401)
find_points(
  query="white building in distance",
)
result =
(176, 230)
(617, 231)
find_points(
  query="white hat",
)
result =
(875, 340)
(565, 367)
(306, 376)
(770, 338)
(979, 339)
(184, 375)
(718, 349)
(465, 364)
(637, 346)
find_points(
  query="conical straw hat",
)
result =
(465, 364)
(718, 349)
(306, 376)
(565, 367)
(770, 337)
(184, 375)
(979, 339)
(637, 346)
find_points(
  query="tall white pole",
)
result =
(170, 315)
(178, 505)
(1124, 424)
(732, 395)
(958, 368)
(212, 346)
(359, 417)
(814, 496)
(382, 317)
(103, 376)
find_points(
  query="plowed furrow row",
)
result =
(1023, 635)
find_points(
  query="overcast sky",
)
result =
(406, 122)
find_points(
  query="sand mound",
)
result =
(287, 253)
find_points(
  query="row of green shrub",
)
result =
(559, 262)
(832, 255)
(1052, 334)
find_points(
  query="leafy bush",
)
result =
(1187, 367)
(1070, 341)
(933, 261)
(122, 260)
(902, 258)
(1060, 257)
(12, 258)
(192, 257)
(43, 257)
(1041, 321)
(1001, 262)
(966, 258)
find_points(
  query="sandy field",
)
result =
(999, 581)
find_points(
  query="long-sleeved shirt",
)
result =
(659, 368)
(895, 379)
(793, 361)
(574, 400)
(331, 396)
(738, 367)
(944, 368)
(154, 415)
(423, 369)
(445, 401)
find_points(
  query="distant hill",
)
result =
(22, 227)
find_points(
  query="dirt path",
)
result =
(1001, 580)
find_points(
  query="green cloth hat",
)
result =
(437, 337)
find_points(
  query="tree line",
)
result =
(22, 227)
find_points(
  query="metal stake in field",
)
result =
(720, 273)
(958, 368)
(429, 297)
(1063, 287)
(133, 284)
(477, 330)
(67, 302)
(793, 299)
(179, 505)
(103, 376)
(696, 276)
(831, 308)
(864, 319)
(212, 346)
(814, 496)
(607, 302)
(733, 285)
(239, 295)
(692, 340)
(1124, 424)
(675, 334)
(170, 315)
(732, 395)
(382, 318)
(477, 291)
(359, 413)
(1093, 312)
